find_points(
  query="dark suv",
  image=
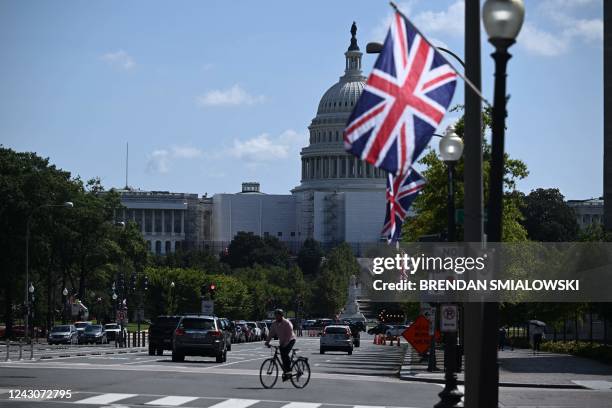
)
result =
(198, 335)
(160, 334)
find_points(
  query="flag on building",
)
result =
(401, 192)
(404, 100)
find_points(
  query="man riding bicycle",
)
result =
(283, 329)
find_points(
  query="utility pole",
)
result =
(473, 201)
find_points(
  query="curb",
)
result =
(93, 353)
(407, 377)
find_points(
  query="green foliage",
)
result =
(330, 288)
(430, 206)
(248, 249)
(310, 256)
(593, 351)
(548, 218)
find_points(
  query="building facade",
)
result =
(588, 212)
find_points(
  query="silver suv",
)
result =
(198, 335)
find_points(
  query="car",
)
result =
(336, 338)
(228, 330)
(255, 330)
(380, 328)
(265, 330)
(94, 333)
(161, 332)
(199, 335)
(80, 327)
(63, 334)
(112, 331)
(395, 330)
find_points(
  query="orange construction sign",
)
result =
(417, 334)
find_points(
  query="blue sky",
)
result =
(212, 93)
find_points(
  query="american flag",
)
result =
(404, 100)
(401, 192)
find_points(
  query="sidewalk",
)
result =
(520, 368)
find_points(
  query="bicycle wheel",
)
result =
(300, 373)
(268, 373)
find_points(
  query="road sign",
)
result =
(121, 316)
(208, 307)
(448, 320)
(417, 334)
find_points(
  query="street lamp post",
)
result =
(64, 304)
(502, 20)
(451, 149)
(171, 306)
(67, 204)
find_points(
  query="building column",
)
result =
(153, 222)
(144, 220)
(172, 218)
(183, 222)
(163, 222)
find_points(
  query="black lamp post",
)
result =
(451, 149)
(64, 305)
(502, 20)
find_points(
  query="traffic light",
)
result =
(212, 289)
(145, 283)
(133, 282)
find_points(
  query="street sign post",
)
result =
(448, 318)
(208, 307)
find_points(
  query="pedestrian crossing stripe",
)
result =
(185, 401)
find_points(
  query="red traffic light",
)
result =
(213, 286)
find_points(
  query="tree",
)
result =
(310, 256)
(430, 205)
(248, 249)
(331, 286)
(548, 218)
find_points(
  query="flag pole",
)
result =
(461, 75)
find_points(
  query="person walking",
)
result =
(283, 329)
(538, 334)
(502, 338)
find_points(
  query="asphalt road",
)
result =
(367, 378)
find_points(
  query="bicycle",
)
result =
(300, 370)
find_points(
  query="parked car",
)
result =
(228, 330)
(380, 328)
(239, 336)
(198, 335)
(112, 331)
(395, 330)
(256, 331)
(264, 329)
(161, 331)
(64, 334)
(80, 327)
(244, 327)
(336, 338)
(94, 333)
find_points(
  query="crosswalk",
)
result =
(85, 399)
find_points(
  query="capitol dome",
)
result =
(326, 166)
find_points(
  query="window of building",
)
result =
(167, 221)
(149, 246)
(177, 222)
(293, 233)
(168, 247)
(158, 221)
(280, 234)
(148, 220)
(158, 245)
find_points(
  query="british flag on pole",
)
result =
(405, 98)
(401, 192)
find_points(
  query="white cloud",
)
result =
(119, 59)
(540, 42)
(160, 160)
(228, 97)
(566, 30)
(450, 21)
(264, 148)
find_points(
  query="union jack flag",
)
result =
(401, 192)
(404, 100)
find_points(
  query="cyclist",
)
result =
(283, 329)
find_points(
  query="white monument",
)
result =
(351, 310)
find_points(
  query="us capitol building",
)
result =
(340, 198)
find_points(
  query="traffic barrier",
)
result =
(8, 350)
